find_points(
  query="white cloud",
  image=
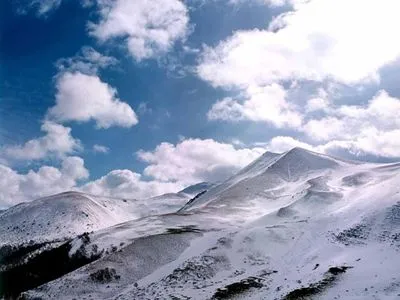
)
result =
(369, 142)
(88, 3)
(266, 104)
(372, 129)
(100, 149)
(318, 43)
(57, 141)
(82, 97)
(149, 28)
(280, 144)
(128, 184)
(319, 102)
(195, 160)
(347, 41)
(16, 187)
(170, 169)
(73, 167)
(173, 167)
(144, 108)
(42, 7)
(87, 61)
(346, 122)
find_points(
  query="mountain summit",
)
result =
(287, 226)
(269, 172)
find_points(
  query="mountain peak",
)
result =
(298, 161)
(301, 150)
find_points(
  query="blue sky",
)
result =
(137, 98)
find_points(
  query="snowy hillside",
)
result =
(268, 177)
(195, 189)
(297, 225)
(72, 213)
(62, 215)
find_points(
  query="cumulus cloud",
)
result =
(170, 169)
(87, 61)
(308, 46)
(280, 144)
(40, 7)
(195, 160)
(346, 121)
(266, 104)
(173, 167)
(309, 43)
(56, 141)
(43, 7)
(371, 129)
(149, 28)
(81, 97)
(17, 187)
(317, 104)
(100, 149)
(359, 130)
(128, 184)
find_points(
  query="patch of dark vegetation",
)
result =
(356, 235)
(392, 238)
(43, 267)
(329, 279)
(264, 273)
(225, 242)
(236, 288)
(183, 229)
(104, 275)
(192, 200)
(11, 254)
(393, 215)
(198, 270)
(390, 227)
(286, 212)
(338, 270)
(356, 179)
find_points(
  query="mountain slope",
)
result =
(195, 189)
(72, 213)
(267, 176)
(60, 216)
(299, 225)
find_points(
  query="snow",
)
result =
(60, 216)
(282, 222)
(196, 189)
(69, 214)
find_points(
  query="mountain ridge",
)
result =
(286, 224)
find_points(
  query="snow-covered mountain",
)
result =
(69, 214)
(297, 225)
(196, 189)
(61, 216)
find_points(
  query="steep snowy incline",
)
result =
(252, 170)
(330, 230)
(71, 213)
(60, 216)
(268, 176)
(195, 189)
(299, 225)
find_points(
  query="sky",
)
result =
(135, 98)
